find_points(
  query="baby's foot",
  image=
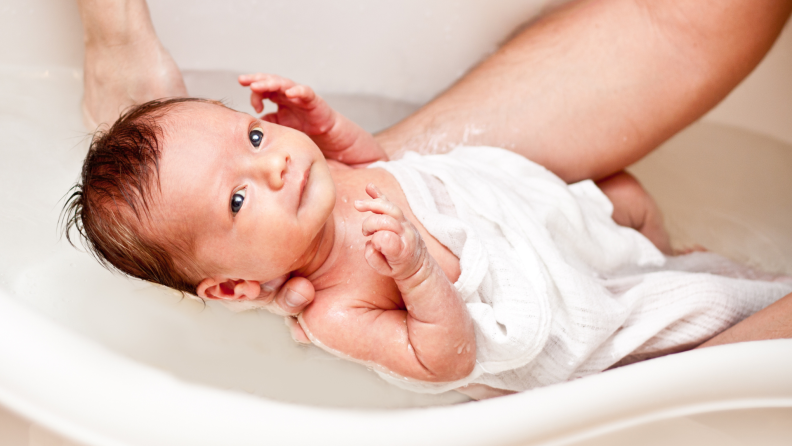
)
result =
(119, 76)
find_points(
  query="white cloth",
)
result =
(557, 290)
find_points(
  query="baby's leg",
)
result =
(634, 208)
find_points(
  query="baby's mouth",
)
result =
(303, 183)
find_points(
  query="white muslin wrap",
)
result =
(557, 290)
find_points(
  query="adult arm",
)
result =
(595, 85)
(773, 322)
(125, 63)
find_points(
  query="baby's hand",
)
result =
(298, 106)
(301, 109)
(395, 249)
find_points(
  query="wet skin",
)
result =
(295, 214)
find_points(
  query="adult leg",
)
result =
(773, 322)
(594, 86)
(125, 63)
(633, 207)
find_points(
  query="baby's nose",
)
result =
(275, 166)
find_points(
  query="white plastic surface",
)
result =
(106, 361)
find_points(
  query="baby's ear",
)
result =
(229, 289)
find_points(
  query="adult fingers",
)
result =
(296, 330)
(296, 294)
(269, 290)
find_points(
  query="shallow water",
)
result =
(726, 189)
(721, 187)
(42, 144)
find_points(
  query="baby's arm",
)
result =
(433, 340)
(300, 108)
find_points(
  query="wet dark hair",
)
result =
(109, 206)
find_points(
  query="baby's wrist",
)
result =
(427, 274)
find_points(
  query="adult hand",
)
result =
(288, 297)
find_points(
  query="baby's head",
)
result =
(198, 197)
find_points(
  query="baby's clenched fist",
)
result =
(395, 248)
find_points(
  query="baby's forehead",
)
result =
(199, 123)
(198, 138)
(198, 115)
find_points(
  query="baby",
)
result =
(472, 270)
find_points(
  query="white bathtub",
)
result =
(100, 360)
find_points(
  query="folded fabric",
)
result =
(557, 290)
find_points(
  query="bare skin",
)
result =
(125, 63)
(256, 211)
(633, 207)
(594, 86)
(636, 72)
(383, 286)
(773, 322)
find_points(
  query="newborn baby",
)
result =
(472, 270)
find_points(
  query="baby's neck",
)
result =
(320, 249)
(321, 252)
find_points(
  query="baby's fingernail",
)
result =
(294, 299)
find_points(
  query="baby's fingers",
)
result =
(388, 243)
(380, 222)
(257, 101)
(379, 205)
(376, 260)
(271, 117)
(300, 93)
(374, 191)
(247, 80)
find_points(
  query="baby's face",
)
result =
(253, 196)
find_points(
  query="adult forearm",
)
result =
(594, 86)
(114, 22)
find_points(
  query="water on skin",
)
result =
(253, 351)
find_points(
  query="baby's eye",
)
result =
(236, 201)
(256, 136)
